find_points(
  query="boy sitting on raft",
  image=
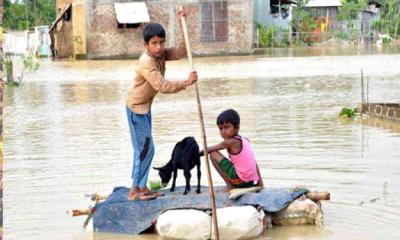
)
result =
(241, 169)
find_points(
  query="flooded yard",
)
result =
(66, 135)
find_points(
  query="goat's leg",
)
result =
(187, 177)
(174, 179)
(198, 177)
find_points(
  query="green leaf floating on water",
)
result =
(155, 185)
(347, 112)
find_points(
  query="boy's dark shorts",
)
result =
(230, 172)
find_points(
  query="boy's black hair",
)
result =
(228, 116)
(152, 30)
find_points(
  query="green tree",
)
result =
(350, 10)
(26, 14)
(304, 21)
(390, 18)
(14, 16)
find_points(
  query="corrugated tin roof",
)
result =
(276, 2)
(131, 12)
(323, 3)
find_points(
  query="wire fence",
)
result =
(356, 31)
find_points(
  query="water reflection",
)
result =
(375, 122)
(86, 92)
(66, 135)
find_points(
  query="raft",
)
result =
(383, 110)
(118, 215)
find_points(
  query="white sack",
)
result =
(184, 224)
(243, 222)
(299, 212)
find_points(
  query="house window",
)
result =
(274, 6)
(127, 25)
(214, 21)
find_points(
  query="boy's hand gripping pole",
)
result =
(203, 132)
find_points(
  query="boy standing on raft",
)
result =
(148, 82)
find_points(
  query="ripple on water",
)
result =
(66, 135)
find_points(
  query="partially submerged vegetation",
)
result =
(348, 113)
(29, 64)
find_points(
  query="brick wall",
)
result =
(384, 110)
(105, 40)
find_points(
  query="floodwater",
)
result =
(66, 135)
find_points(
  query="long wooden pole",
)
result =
(203, 132)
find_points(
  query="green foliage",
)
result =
(271, 33)
(26, 14)
(341, 35)
(8, 72)
(155, 185)
(30, 64)
(304, 22)
(273, 36)
(389, 21)
(77, 39)
(78, 43)
(263, 38)
(350, 9)
(266, 35)
(386, 39)
(347, 112)
(285, 38)
(6, 65)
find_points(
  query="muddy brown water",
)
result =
(66, 135)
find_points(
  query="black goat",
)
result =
(184, 156)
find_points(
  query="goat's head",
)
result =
(165, 174)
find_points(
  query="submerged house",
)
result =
(104, 29)
(367, 18)
(274, 12)
(61, 31)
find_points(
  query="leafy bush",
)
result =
(341, 35)
(285, 38)
(155, 185)
(262, 35)
(347, 112)
(30, 64)
(273, 36)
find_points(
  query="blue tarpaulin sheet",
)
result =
(118, 215)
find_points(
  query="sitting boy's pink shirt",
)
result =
(245, 162)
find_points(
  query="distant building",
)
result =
(326, 11)
(41, 46)
(367, 18)
(274, 12)
(18, 42)
(98, 29)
